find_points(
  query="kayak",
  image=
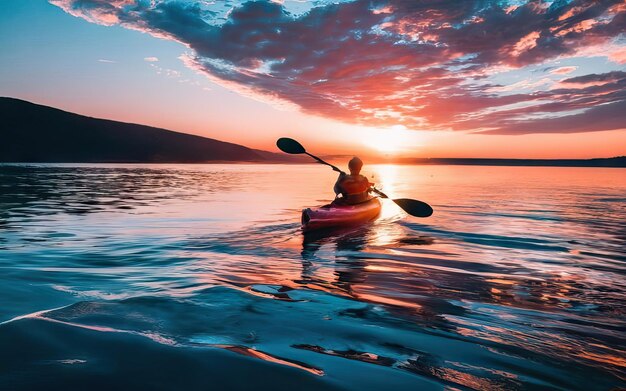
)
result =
(337, 215)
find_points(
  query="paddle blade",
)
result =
(289, 145)
(414, 207)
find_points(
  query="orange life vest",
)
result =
(355, 188)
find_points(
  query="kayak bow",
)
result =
(337, 215)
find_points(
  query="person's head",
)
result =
(355, 165)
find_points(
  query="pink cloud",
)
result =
(563, 70)
(618, 55)
(527, 42)
(96, 11)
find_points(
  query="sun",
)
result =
(390, 140)
(383, 142)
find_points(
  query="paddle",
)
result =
(413, 207)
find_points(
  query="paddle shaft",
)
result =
(380, 193)
(323, 162)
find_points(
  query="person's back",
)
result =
(354, 187)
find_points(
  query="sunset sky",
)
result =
(537, 79)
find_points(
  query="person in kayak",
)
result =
(354, 187)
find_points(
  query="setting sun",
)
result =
(392, 140)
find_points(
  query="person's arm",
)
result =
(337, 187)
(370, 185)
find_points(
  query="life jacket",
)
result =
(354, 189)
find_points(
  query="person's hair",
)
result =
(355, 164)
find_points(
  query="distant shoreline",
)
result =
(614, 162)
(617, 162)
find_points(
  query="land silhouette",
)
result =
(37, 133)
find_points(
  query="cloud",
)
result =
(106, 61)
(420, 64)
(563, 70)
(170, 73)
(151, 59)
(523, 84)
(603, 78)
(604, 117)
(618, 55)
(594, 80)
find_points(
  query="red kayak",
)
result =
(337, 215)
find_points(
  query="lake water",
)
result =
(198, 277)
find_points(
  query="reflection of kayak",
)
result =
(336, 215)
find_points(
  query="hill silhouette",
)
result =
(36, 133)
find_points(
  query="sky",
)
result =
(422, 78)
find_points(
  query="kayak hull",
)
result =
(331, 216)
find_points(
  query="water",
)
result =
(197, 277)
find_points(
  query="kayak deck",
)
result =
(334, 215)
